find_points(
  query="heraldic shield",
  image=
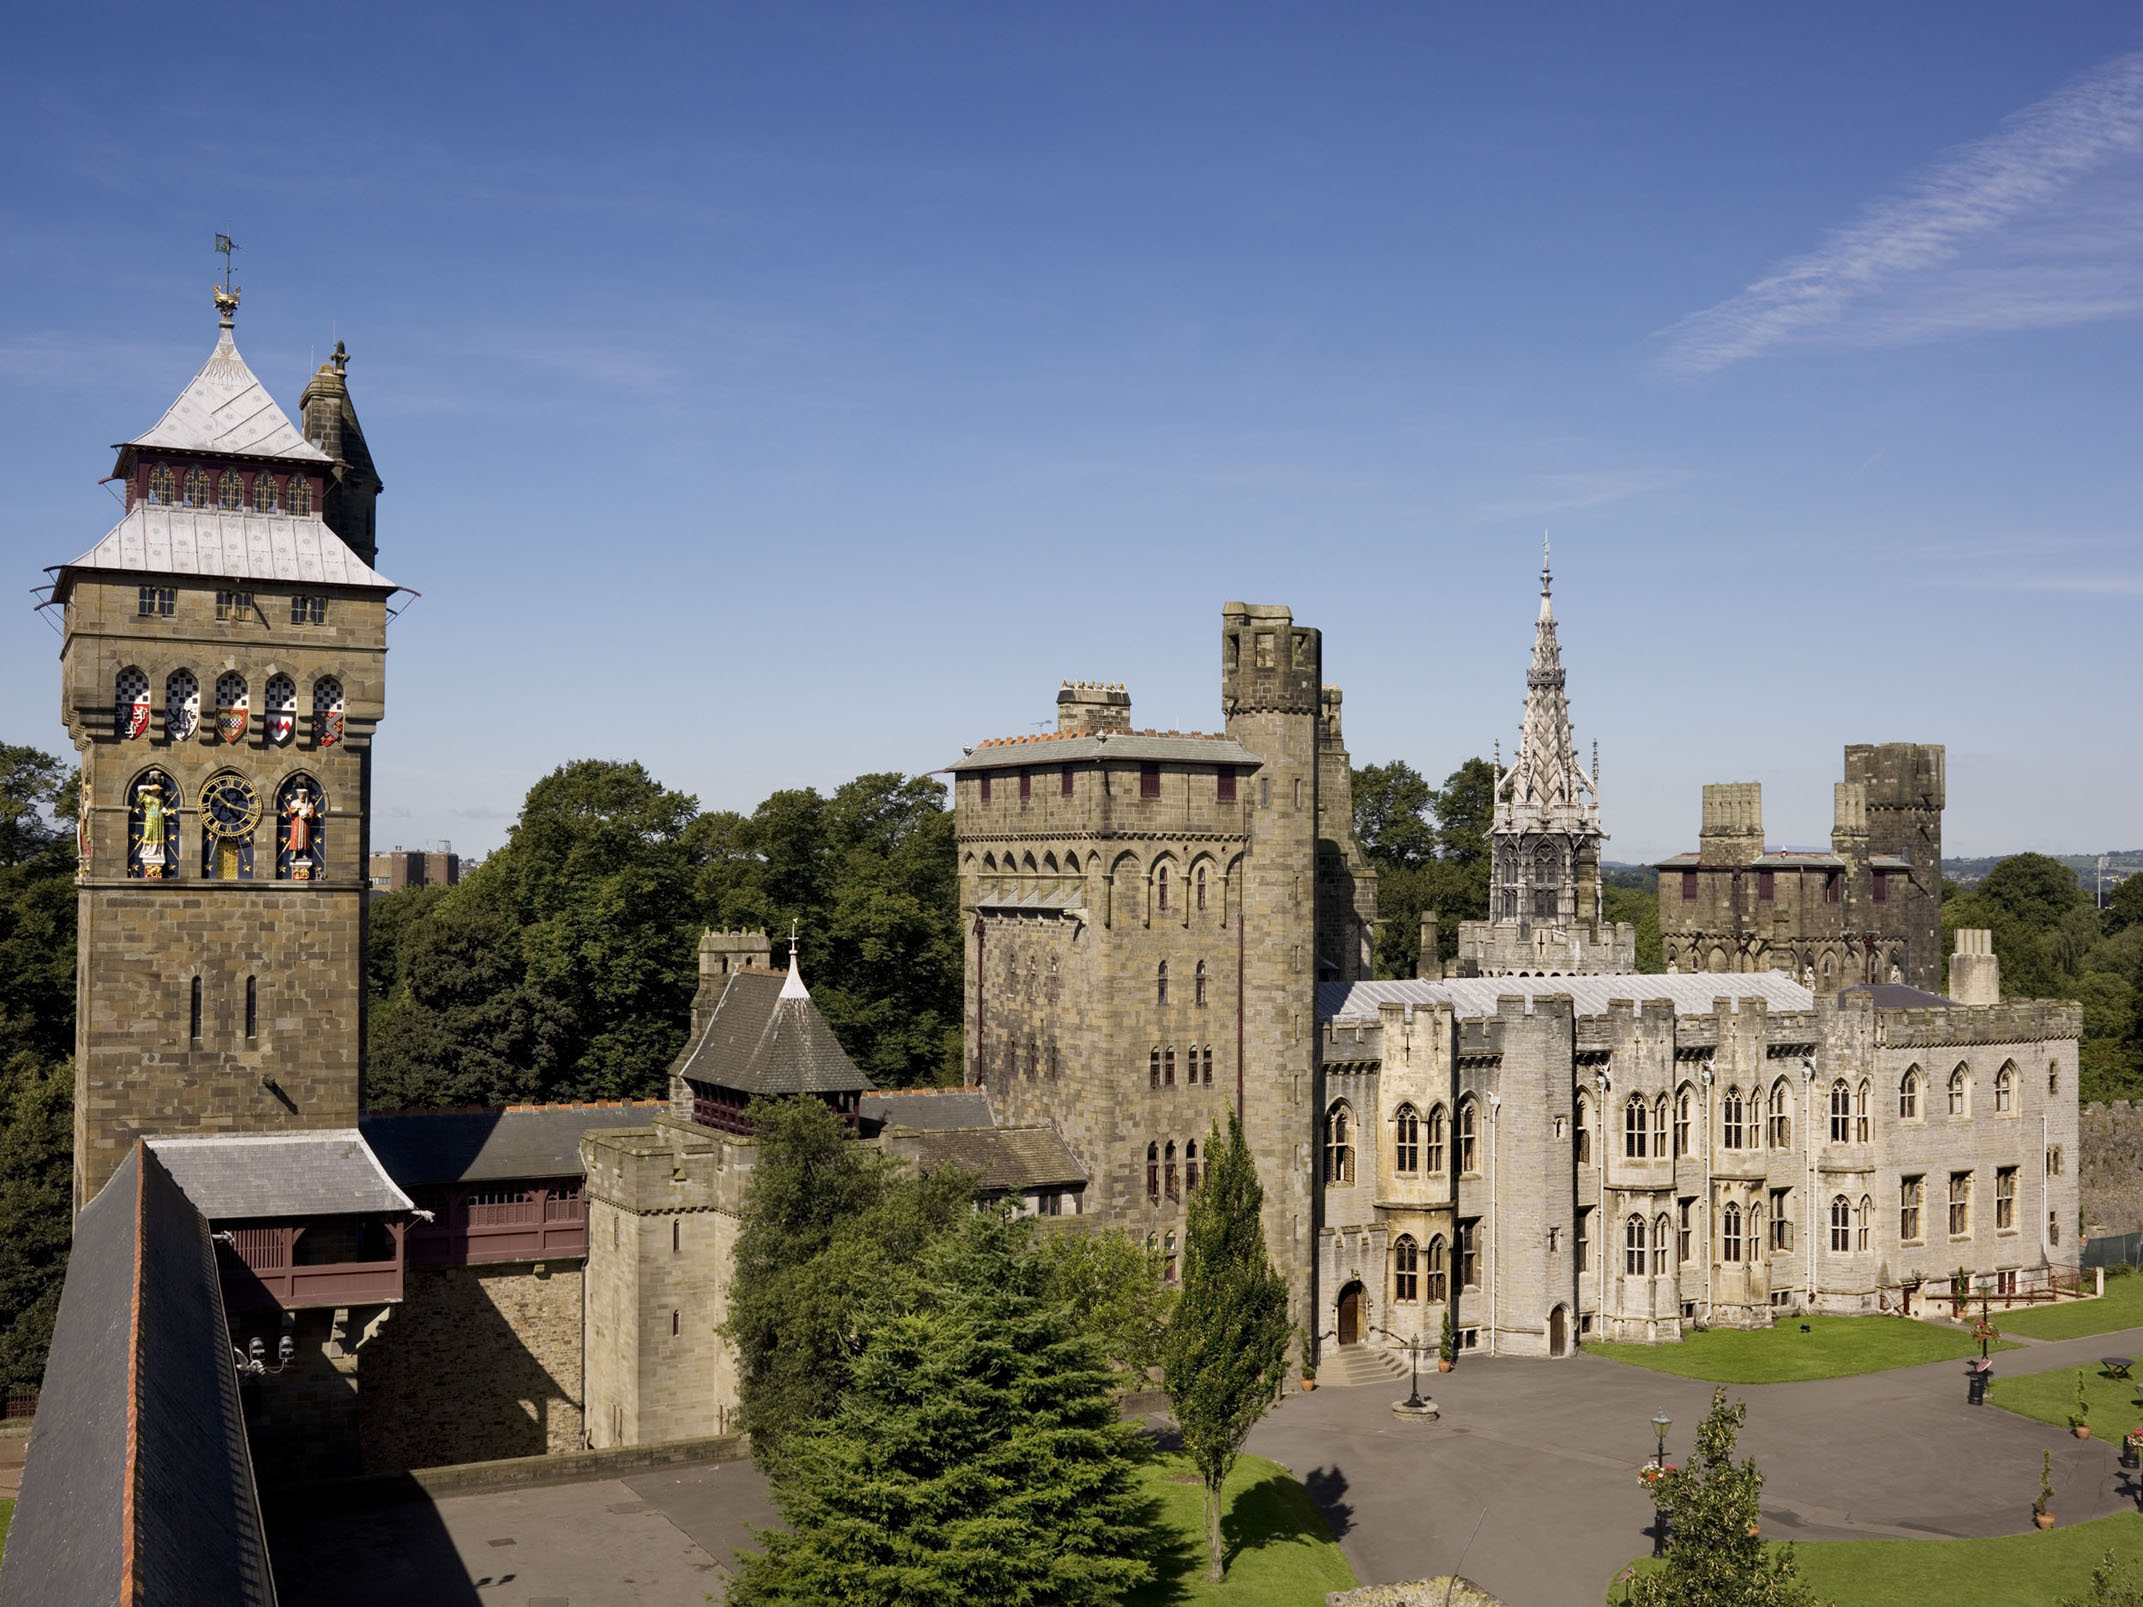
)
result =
(330, 728)
(133, 719)
(231, 724)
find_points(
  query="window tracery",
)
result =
(281, 712)
(1406, 1146)
(182, 706)
(1339, 1143)
(1406, 1271)
(130, 704)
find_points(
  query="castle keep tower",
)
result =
(1544, 901)
(222, 667)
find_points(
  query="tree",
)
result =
(2113, 1584)
(1115, 1282)
(36, 1181)
(1430, 849)
(976, 1455)
(1226, 1352)
(825, 1222)
(1392, 816)
(1714, 1557)
(2034, 889)
(2124, 905)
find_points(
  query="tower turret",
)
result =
(353, 484)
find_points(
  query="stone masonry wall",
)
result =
(477, 1363)
(2110, 1167)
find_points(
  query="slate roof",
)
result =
(1787, 859)
(156, 539)
(480, 1146)
(139, 1484)
(1010, 1159)
(1897, 996)
(930, 1108)
(1476, 996)
(1005, 753)
(225, 410)
(760, 1042)
(231, 1177)
(1040, 901)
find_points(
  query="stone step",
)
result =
(1344, 1366)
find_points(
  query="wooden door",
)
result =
(1350, 1314)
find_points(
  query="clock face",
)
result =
(230, 807)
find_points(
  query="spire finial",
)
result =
(794, 988)
(226, 294)
(1544, 577)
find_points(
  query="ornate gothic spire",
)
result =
(1546, 788)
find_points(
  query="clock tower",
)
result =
(222, 658)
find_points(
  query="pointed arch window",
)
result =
(1584, 1130)
(1908, 1095)
(182, 706)
(1160, 889)
(1779, 1128)
(264, 492)
(1406, 1142)
(1153, 1174)
(1861, 1126)
(1633, 1247)
(195, 489)
(1731, 1124)
(298, 497)
(1730, 1233)
(2004, 1089)
(1190, 1166)
(152, 838)
(1841, 1112)
(1662, 1238)
(300, 810)
(1406, 1271)
(1469, 1151)
(230, 491)
(1170, 1184)
(1153, 1067)
(1681, 1123)
(1160, 983)
(1841, 1225)
(1168, 1067)
(1438, 1281)
(281, 697)
(1958, 1093)
(1635, 1120)
(1201, 888)
(130, 703)
(1339, 1143)
(1861, 1218)
(163, 487)
(1434, 1158)
(1198, 982)
(1659, 1127)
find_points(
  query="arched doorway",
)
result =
(1350, 1314)
(1558, 1332)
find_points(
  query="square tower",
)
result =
(222, 664)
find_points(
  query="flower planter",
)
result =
(1308, 1384)
(2083, 1431)
(1443, 1366)
(2044, 1520)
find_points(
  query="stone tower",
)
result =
(1906, 789)
(1544, 912)
(353, 484)
(222, 664)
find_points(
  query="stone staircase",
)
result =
(1345, 1365)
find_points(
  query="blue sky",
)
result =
(776, 393)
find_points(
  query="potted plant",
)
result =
(1653, 1476)
(2080, 1419)
(1447, 1347)
(2042, 1509)
(2132, 1447)
(1309, 1375)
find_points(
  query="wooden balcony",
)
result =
(475, 1223)
(293, 1265)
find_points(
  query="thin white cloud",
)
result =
(2028, 166)
(1564, 493)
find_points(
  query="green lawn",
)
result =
(2018, 1570)
(2051, 1398)
(1280, 1553)
(7, 1516)
(2122, 1307)
(1832, 1348)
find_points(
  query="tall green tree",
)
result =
(1714, 1556)
(1226, 1351)
(826, 1224)
(36, 1182)
(975, 1456)
(1116, 1283)
(1430, 849)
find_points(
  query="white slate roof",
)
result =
(229, 545)
(1476, 996)
(232, 1176)
(226, 410)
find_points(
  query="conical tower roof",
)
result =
(1546, 787)
(225, 410)
(330, 420)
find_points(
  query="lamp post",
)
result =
(1661, 1422)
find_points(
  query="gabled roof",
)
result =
(1179, 747)
(230, 1177)
(221, 544)
(225, 410)
(1008, 1159)
(481, 1146)
(139, 1485)
(766, 1038)
(930, 1109)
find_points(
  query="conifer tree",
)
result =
(1714, 1555)
(1226, 1351)
(976, 1455)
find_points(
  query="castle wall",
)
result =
(2109, 1167)
(477, 1363)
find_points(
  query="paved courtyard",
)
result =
(1528, 1484)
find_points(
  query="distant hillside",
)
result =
(2119, 864)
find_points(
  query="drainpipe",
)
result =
(1808, 1206)
(1495, 1222)
(1708, 1077)
(1600, 1085)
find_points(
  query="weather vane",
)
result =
(226, 293)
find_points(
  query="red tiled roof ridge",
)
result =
(1071, 736)
(955, 1088)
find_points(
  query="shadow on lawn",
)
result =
(1274, 1511)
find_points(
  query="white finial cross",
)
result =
(794, 988)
